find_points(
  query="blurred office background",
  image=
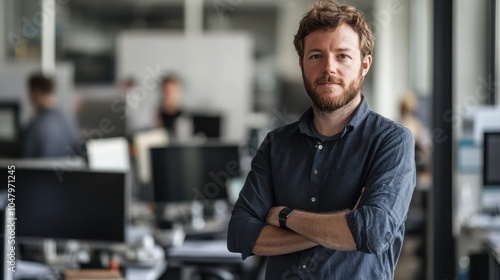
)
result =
(239, 78)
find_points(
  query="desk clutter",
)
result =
(92, 274)
(76, 221)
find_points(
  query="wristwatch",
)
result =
(283, 216)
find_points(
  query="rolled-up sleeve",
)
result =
(249, 213)
(388, 191)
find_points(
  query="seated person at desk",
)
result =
(170, 110)
(50, 133)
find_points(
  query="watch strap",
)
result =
(283, 216)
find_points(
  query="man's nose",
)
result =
(330, 66)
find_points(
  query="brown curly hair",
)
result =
(327, 14)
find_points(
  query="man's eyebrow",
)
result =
(314, 50)
(337, 49)
(344, 50)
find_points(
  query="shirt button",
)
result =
(304, 266)
(313, 199)
(315, 171)
(320, 147)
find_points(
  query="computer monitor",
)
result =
(81, 205)
(491, 159)
(184, 173)
(10, 129)
(491, 170)
(207, 125)
(99, 118)
(108, 154)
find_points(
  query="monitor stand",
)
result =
(221, 211)
(69, 259)
(197, 215)
(50, 251)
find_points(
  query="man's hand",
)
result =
(359, 199)
(273, 216)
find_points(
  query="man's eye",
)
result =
(344, 56)
(315, 56)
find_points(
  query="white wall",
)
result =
(391, 61)
(289, 14)
(421, 47)
(216, 70)
(470, 77)
(469, 83)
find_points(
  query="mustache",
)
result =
(330, 79)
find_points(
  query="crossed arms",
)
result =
(306, 230)
(370, 227)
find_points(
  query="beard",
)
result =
(325, 101)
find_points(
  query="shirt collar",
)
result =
(306, 120)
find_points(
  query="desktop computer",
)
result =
(184, 173)
(97, 118)
(82, 205)
(190, 183)
(491, 171)
(208, 126)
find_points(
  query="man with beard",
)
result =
(327, 196)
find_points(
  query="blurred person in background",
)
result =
(408, 107)
(50, 134)
(171, 115)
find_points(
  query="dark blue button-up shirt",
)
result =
(298, 168)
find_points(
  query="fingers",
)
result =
(359, 199)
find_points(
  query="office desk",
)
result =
(480, 240)
(149, 273)
(209, 257)
(32, 270)
(492, 244)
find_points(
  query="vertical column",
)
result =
(443, 244)
(193, 17)
(48, 36)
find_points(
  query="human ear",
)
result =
(365, 65)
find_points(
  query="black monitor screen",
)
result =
(83, 205)
(491, 159)
(184, 173)
(208, 126)
(98, 119)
